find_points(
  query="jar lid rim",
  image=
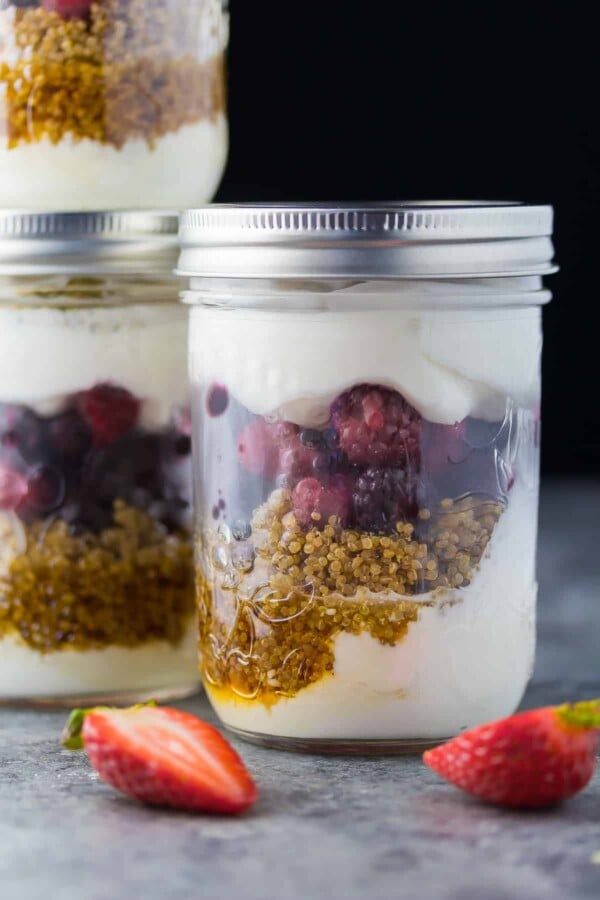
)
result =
(429, 238)
(94, 241)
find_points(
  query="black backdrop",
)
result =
(359, 100)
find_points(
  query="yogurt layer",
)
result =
(465, 661)
(182, 169)
(46, 354)
(157, 666)
(448, 365)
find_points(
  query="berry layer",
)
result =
(93, 520)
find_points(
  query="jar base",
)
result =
(113, 698)
(339, 746)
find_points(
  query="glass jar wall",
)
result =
(111, 103)
(367, 475)
(96, 588)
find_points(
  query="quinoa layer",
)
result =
(128, 71)
(129, 585)
(271, 607)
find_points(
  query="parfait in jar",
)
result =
(96, 578)
(111, 103)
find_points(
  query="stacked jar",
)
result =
(96, 588)
(105, 105)
(111, 104)
(366, 399)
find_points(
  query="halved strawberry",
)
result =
(163, 757)
(531, 759)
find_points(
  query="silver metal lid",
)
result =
(98, 243)
(427, 239)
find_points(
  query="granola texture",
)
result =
(271, 605)
(128, 585)
(129, 70)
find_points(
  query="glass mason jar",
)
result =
(111, 104)
(365, 406)
(96, 576)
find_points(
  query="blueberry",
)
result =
(70, 436)
(183, 445)
(46, 489)
(312, 438)
(217, 400)
(28, 436)
(330, 462)
(322, 462)
(331, 438)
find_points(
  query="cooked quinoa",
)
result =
(269, 615)
(126, 586)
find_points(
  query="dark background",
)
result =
(359, 100)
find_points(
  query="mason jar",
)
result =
(96, 578)
(366, 417)
(111, 104)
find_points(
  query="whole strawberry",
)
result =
(163, 757)
(531, 759)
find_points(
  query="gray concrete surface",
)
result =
(324, 828)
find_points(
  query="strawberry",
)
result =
(110, 412)
(531, 759)
(163, 757)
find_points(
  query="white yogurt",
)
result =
(458, 666)
(47, 353)
(293, 364)
(182, 169)
(154, 667)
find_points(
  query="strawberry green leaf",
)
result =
(584, 715)
(72, 737)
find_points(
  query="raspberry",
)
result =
(110, 412)
(296, 456)
(377, 427)
(13, 488)
(315, 502)
(383, 497)
(275, 448)
(68, 9)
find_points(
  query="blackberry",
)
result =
(383, 497)
(377, 427)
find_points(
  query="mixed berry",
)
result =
(74, 465)
(376, 463)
